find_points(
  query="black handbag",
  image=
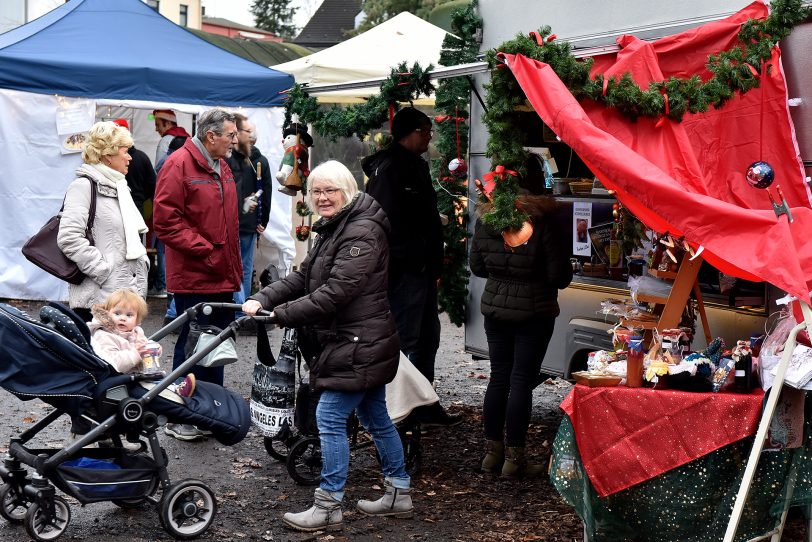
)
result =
(42, 250)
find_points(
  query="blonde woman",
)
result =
(117, 258)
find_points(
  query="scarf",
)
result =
(132, 220)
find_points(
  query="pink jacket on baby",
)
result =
(118, 349)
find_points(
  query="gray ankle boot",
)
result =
(395, 502)
(325, 514)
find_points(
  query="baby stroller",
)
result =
(300, 448)
(80, 384)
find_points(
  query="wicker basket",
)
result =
(593, 269)
(596, 380)
(581, 187)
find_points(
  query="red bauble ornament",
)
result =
(302, 233)
(458, 166)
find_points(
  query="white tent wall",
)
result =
(34, 176)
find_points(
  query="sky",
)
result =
(239, 11)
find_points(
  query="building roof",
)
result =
(329, 24)
(219, 21)
(265, 53)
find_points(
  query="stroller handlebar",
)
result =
(261, 315)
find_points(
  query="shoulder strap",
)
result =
(91, 215)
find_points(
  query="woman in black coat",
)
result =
(520, 305)
(339, 296)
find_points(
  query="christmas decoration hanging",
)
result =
(458, 167)
(736, 70)
(302, 232)
(760, 174)
(450, 169)
(403, 85)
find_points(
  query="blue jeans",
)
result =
(219, 318)
(248, 242)
(160, 264)
(331, 416)
(413, 301)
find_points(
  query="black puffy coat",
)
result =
(400, 182)
(523, 282)
(340, 293)
(245, 176)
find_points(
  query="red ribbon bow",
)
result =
(442, 118)
(499, 173)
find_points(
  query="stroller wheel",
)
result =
(187, 509)
(41, 525)
(277, 448)
(304, 461)
(12, 504)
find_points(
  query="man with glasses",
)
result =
(195, 215)
(400, 181)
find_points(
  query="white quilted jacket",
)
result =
(105, 264)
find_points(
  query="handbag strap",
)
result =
(91, 216)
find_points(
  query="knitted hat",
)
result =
(297, 128)
(165, 114)
(123, 123)
(406, 121)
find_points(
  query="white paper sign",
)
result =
(581, 222)
(74, 115)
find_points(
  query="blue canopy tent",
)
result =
(125, 49)
(91, 59)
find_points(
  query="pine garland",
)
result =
(451, 103)
(403, 85)
(735, 70)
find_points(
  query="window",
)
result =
(184, 15)
(154, 4)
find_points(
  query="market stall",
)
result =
(689, 132)
(91, 59)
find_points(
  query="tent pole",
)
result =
(764, 424)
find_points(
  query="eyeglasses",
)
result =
(230, 135)
(329, 192)
(429, 130)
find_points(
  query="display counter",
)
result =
(665, 466)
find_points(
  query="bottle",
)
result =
(744, 366)
(634, 362)
(251, 201)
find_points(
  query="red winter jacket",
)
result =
(195, 215)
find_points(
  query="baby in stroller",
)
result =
(79, 383)
(116, 337)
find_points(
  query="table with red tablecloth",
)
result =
(665, 465)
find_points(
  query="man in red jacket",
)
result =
(195, 215)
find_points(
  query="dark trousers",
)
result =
(516, 351)
(413, 300)
(219, 318)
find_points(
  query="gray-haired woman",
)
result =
(340, 293)
(117, 258)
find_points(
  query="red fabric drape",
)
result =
(688, 178)
(629, 435)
